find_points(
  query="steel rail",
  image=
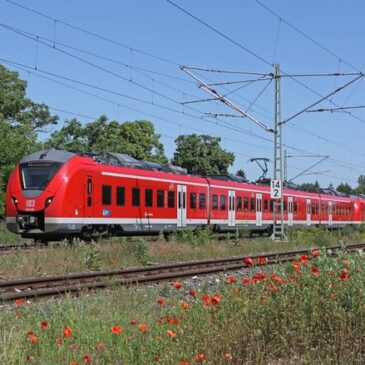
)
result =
(58, 285)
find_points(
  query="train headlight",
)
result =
(15, 201)
(49, 201)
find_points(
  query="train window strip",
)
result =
(215, 202)
(171, 199)
(160, 198)
(135, 197)
(120, 196)
(106, 194)
(148, 198)
(202, 201)
(193, 200)
(239, 204)
(223, 202)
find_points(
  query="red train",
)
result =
(54, 194)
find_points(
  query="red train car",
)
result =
(55, 194)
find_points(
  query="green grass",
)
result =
(304, 319)
(125, 252)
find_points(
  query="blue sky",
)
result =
(139, 76)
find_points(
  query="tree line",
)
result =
(22, 121)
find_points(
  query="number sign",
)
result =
(275, 189)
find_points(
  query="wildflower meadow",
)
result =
(311, 311)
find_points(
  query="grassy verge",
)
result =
(125, 252)
(311, 312)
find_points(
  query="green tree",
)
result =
(20, 121)
(202, 155)
(344, 188)
(241, 173)
(310, 187)
(137, 139)
(360, 189)
(70, 137)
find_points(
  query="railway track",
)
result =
(49, 286)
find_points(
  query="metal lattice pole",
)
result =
(278, 229)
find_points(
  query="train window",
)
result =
(120, 195)
(239, 204)
(215, 202)
(223, 202)
(266, 205)
(148, 198)
(89, 186)
(245, 204)
(106, 194)
(202, 201)
(160, 202)
(135, 197)
(89, 201)
(192, 200)
(171, 199)
(284, 206)
(271, 205)
(295, 207)
(313, 209)
(253, 205)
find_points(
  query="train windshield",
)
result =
(37, 175)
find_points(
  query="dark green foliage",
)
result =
(20, 120)
(137, 139)
(202, 155)
(344, 188)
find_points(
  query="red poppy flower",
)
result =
(184, 362)
(161, 302)
(59, 341)
(67, 331)
(296, 266)
(315, 253)
(304, 259)
(216, 298)
(200, 357)
(261, 260)
(230, 280)
(245, 281)
(44, 325)
(344, 276)
(185, 305)
(315, 272)
(19, 302)
(259, 276)
(177, 285)
(192, 293)
(133, 322)
(142, 327)
(171, 333)
(18, 315)
(33, 339)
(248, 261)
(87, 358)
(277, 279)
(116, 330)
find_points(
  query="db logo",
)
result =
(30, 203)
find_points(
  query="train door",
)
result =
(290, 210)
(308, 210)
(181, 205)
(89, 196)
(330, 213)
(231, 209)
(258, 209)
